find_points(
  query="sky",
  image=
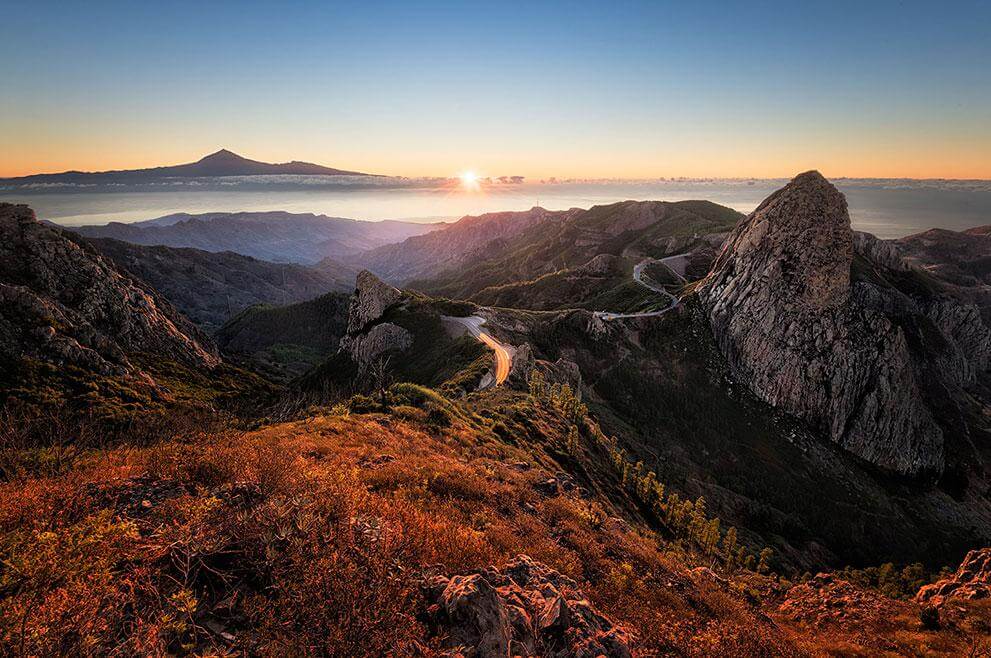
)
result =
(569, 89)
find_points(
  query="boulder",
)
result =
(527, 609)
(972, 580)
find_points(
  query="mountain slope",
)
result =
(630, 231)
(961, 258)
(287, 340)
(406, 531)
(274, 236)
(66, 309)
(211, 288)
(221, 163)
(451, 246)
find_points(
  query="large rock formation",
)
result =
(853, 358)
(371, 298)
(524, 609)
(367, 338)
(63, 304)
(380, 339)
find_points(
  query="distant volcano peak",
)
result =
(220, 163)
(222, 154)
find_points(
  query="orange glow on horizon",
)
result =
(729, 161)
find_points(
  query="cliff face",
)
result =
(858, 359)
(372, 297)
(63, 304)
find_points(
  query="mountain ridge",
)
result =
(276, 236)
(210, 288)
(217, 164)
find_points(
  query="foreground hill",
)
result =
(211, 288)
(221, 163)
(499, 525)
(273, 236)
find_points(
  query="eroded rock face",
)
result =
(971, 581)
(62, 303)
(880, 252)
(371, 298)
(970, 337)
(364, 344)
(785, 316)
(382, 338)
(525, 609)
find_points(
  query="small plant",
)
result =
(929, 617)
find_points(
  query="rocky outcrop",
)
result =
(792, 326)
(599, 265)
(524, 609)
(826, 601)
(371, 298)
(971, 581)
(380, 339)
(61, 303)
(969, 336)
(879, 252)
(363, 343)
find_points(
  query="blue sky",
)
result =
(553, 88)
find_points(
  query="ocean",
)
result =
(887, 208)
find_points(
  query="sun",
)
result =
(469, 181)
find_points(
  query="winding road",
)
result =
(638, 277)
(503, 353)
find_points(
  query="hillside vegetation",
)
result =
(628, 232)
(316, 537)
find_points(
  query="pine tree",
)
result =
(710, 538)
(741, 557)
(572, 443)
(697, 521)
(763, 562)
(729, 546)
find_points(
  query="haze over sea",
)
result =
(887, 208)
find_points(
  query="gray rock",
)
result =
(382, 338)
(371, 299)
(526, 608)
(880, 252)
(782, 311)
(963, 326)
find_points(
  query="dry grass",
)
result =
(310, 538)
